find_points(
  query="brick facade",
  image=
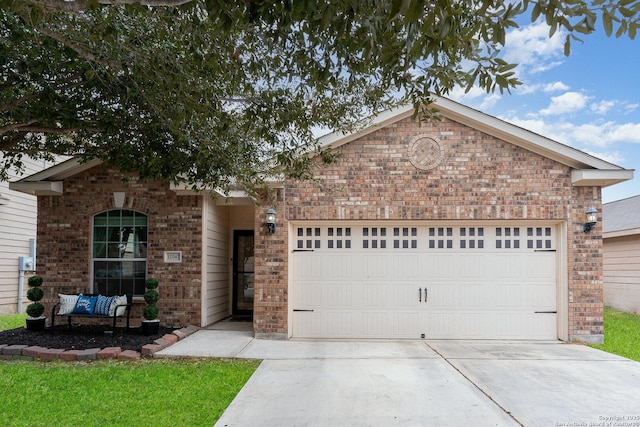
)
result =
(174, 224)
(479, 178)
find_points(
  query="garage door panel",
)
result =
(376, 323)
(444, 282)
(406, 324)
(375, 267)
(406, 266)
(403, 296)
(376, 295)
(337, 295)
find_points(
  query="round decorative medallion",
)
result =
(425, 153)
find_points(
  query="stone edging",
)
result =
(24, 352)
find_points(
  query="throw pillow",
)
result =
(103, 305)
(67, 303)
(85, 305)
(118, 300)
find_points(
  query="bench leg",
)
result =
(69, 318)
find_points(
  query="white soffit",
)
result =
(39, 188)
(599, 177)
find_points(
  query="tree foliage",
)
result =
(220, 94)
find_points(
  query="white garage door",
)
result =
(380, 281)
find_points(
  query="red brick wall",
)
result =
(271, 277)
(586, 297)
(479, 178)
(174, 224)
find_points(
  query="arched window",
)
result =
(119, 252)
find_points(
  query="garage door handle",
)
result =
(420, 294)
(425, 294)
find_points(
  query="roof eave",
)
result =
(38, 188)
(599, 177)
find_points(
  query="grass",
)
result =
(621, 334)
(161, 392)
(12, 321)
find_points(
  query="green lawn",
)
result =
(621, 334)
(160, 392)
(12, 321)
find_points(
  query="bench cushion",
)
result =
(118, 300)
(67, 303)
(85, 305)
(103, 305)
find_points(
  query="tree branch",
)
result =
(80, 5)
(16, 126)
(85, 53)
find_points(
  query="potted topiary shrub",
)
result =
(35, 321)
(151, 323)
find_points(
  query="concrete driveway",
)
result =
(423, 383)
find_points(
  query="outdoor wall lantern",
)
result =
(271, 220)
(592, 218)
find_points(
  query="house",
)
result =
(464, 227)
(621, 235)
(17, 228)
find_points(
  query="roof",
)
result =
(621, 218)
(587, 170)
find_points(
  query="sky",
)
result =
(589, 100)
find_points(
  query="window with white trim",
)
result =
(119, 253)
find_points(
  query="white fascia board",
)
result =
(39, 188)
(62, 170)
(599, 178)
(336, 139)
(519, 136)
(621, 233)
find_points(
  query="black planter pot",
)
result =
(150, 327)
(36, 324)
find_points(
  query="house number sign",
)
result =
(425, 153)
(174, 257)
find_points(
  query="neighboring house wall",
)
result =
(18, 216)
(175, 223)
(480, 178)
(622, 273)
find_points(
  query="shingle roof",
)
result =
(621, 215)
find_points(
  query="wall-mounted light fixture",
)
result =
(118, 199)
(592, 218)
(271, 220)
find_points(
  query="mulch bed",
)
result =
(81, 337)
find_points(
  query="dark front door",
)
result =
(243, 272)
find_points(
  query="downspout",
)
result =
(25, 264)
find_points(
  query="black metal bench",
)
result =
(115, 317)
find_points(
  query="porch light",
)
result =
(271, 220)
(592, 218)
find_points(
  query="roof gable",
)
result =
(587, 169)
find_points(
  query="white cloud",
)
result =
(527, 89)
(566, 103)
(532, 47)
(602, 107)
(555, 87)
(608, 156)
(581, 136)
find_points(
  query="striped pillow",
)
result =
(103, 305)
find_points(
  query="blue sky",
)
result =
(589, 100)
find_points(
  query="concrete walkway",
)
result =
(423, 383)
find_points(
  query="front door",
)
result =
(243, 272)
